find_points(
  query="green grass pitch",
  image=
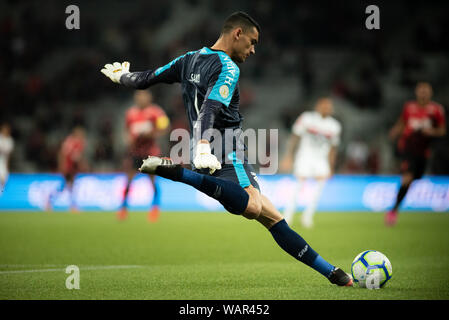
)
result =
(212, 255)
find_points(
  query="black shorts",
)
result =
(414, 164)
(240, 173)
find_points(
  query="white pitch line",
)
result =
(30, 265)
(63, 269)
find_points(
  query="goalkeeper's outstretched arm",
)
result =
(144, 79)
(119, 73)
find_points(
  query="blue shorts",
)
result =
(243, 174)
(240, 173)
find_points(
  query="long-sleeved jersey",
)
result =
(209, 80)
(416, 118)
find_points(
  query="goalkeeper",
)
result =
(209, 79)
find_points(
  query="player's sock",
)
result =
(54, 194)
(311, 207)
(401, 195)
(230, 194)
(73, 205)
(156, 196)
(292, 204)
(122, 213)
(322, 266)
(50, 200)
(125, 195)
(298, 248)
(154, 213)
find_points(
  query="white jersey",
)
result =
(6, 146)
(318, 135)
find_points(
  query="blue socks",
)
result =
(322, 266)
(298, 248)
(235, 199)
(230, 194)
(191, 178)
(156, 195)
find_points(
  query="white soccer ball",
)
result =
(371, 269)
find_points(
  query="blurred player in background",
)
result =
(6, 147)
(145, 122)
(420, 121)
(318, 135)
(71, 161)
(209, 80)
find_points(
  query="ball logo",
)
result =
(224, 91)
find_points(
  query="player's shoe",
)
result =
(153, 215)
(151, 163)
(340, 278)
(391, 217)
(122, 214)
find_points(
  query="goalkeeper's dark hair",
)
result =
(239, 19)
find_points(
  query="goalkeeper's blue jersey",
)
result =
(205, 75)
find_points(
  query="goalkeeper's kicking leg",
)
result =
(292, 242)
(244, 199)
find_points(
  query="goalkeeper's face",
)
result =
(244, 44)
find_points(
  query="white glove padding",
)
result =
(116, 70)
(204, 158)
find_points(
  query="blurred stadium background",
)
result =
(51, 79)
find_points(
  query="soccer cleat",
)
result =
(151, 163)
(391, 217)
(153, 215)
(340, 278)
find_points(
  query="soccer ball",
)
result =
(371, 269)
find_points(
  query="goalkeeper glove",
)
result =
(116, 70)
(204, 159)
